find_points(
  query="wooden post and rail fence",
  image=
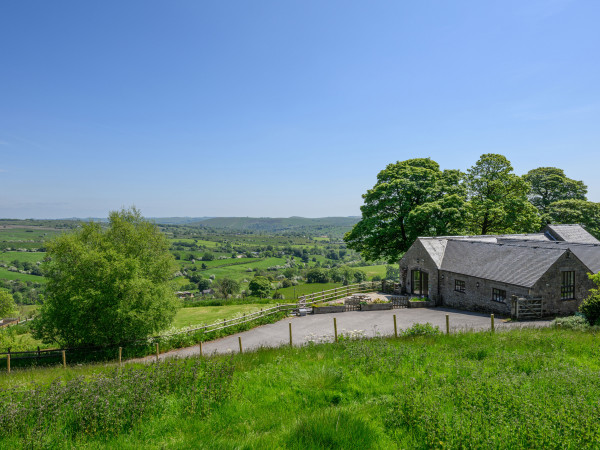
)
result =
(303, 302)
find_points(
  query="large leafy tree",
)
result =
(7, 303)
(108, 285)
(549, 185)
(227, 287)
(411, 198)
(260, 287)
(577, 211)
(498, 198)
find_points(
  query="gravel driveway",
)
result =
(319, 328)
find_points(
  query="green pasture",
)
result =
(372, 271)
(26, 234)
(218, 262)
(529, 388)
(204, 315)
(32, 257)
(307, 288)
(8, 275)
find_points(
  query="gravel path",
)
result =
(319, 328)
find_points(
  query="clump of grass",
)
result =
(113, 402)
(577, 322)
(529, 388)
(422, 329)
(333, 428)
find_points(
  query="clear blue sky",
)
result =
(279, 108)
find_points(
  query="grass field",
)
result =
(210, 314)
(7, 257)
(26, 234)
(372, 271)
(306, 288)
(8, 275)
(518, 389)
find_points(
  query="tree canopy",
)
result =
(107, 285)
(549, 185)
(7, 303)
(226, 287)
(411, 198)
(260, 287)
(577, 211)
(498, 198)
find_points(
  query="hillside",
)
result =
(322, 225)
(531, 388)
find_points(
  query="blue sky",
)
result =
(280, 108)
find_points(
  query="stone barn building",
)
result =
(493, 273)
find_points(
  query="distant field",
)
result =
(22, 234)
(211, 244)
(372, 271)
(307, 288)
(8, 275)
(209, 314)
(22, 256)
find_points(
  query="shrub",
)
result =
(590, 307)
(577, 322)
(422, 329)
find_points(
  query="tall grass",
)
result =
(531, 388)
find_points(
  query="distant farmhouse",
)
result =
(543, 273)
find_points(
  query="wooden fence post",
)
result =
(240, 342)
(447, 323)
(157, 352)
(395, 327)
(291, 334)
(492, 319)
(8, 362)
(200, 345)
(335, 329)
(120, 355)
(64, 358)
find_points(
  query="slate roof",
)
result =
(589, 254)
(518, 259)
(436, 248)
(516, 264)
(570, 233)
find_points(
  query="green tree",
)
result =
(260, 287)
(590, 307)
(7, 304)
(107, 285)
(208, 257)
(577, 211)
(204, 284)
(411, 198)
(226, 287)
(498, 198)
(549, 185)
(317, 275)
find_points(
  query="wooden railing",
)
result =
(339, 292)
(306, 300)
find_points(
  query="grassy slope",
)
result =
(8, 275)
(22, 256)
(210, 314)
(307, 288)
(529, 388)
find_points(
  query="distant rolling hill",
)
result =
(324, 225)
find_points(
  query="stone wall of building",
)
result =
(417, 258)
(548, 286)
(477, 295)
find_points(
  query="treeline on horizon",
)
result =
(415, 198)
